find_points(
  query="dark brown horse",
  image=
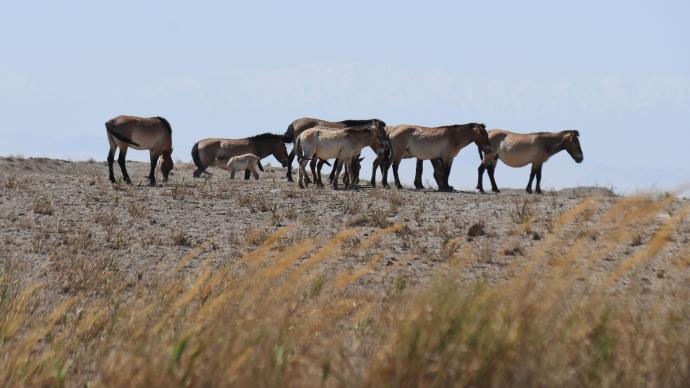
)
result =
(153, 134)
(213, 151)
(300, 125)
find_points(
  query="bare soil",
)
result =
(54, 211)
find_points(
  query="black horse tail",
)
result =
(110, 127)
(197, 160)
(165, 123)
(289, 135)
(258, 164)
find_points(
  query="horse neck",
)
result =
(554, 143)
(265, 148)
(462, 136)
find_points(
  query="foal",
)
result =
(518, 150)
(243, 163)
(153, 134)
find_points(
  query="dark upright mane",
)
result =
(354, 123)
(571, 131)
(165, 123)
(457, 126)
(266, 136)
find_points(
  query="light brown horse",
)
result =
(302, 124)
(216, 152)
(153, 134)
(438, 144)
(518, 150)
(343, 144)
(244, 162)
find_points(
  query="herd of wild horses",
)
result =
(317, 141)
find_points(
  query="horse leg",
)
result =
(446, 174)
(418, 175)
(319, 166)
(531, 178)
(337, 174)
(255, 174)
(374, 166)
(111, 160)
(246, 174)
(152, 174)
(121, 161)
(494, 186)
(333, 170)
(480, 177)
(385, 165)
(438, 171)
(291, 157)
(352, 184)
(539, 179)
(303, 183)
(312, 166)
(396, 164)
(232, 174)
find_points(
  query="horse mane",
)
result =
(457, 126)
(165, 123)
(355, 123)
(267, 136)
(360, 128)
(571, 131)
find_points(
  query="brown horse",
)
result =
(153, 134)
(438, 144)
(344, 144)
(216, 152)
(518, 150)
(302, 124)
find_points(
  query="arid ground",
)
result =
(231, 282)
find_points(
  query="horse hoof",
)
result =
(539, 191)
(497, 191)
(386, 186)
(480, 190)
(289, 179)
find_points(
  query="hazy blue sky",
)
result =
(618, 71)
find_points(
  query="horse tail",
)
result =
(298, 149)
(289, 135)
(110, 127)
(258, 164)
(166, 124)
(196, 159)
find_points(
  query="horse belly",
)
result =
(518, 156)
(425, 151)
(240, 165)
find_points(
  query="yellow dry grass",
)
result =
(286, 320)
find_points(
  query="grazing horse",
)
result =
(153, 134)
(518, 150)
(438, 144)
(243, 163)
(300, 125)
(343, 144)
(216, 152)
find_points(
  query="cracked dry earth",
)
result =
(57, 215)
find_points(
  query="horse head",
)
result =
(481, 137)
(572, 145)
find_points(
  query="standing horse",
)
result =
(216, 152)
(439, 144)
(244, 162)
(302, 124)
(518, 150)
(343, 144)
(153, 134)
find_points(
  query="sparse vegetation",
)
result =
(42, 205)
(92, 296)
